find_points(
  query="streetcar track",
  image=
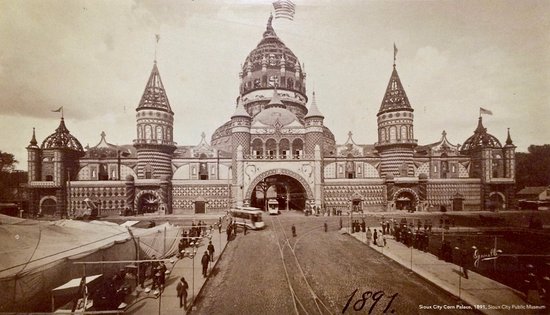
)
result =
(317, 301)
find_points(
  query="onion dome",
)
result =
(62, 139)
(395, 98)
(480, 139)
(271, 64)
(313, 110)
(154, 96)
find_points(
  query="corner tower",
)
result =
(314, 128)
(396, 141)
(155, 121)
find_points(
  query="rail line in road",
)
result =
(320, 307)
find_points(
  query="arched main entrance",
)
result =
(48, 206)
(288, 191)
(148, 203)
(405, 199)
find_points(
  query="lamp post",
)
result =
(191, 255)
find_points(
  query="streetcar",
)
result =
(273, 206)
(250, 216)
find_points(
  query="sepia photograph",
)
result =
(274, 157)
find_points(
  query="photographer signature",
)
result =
(375, 297)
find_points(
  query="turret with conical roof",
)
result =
(396, 141)
(155, 120)
(314, 127)
(34, 158)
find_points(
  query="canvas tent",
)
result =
(38, 256)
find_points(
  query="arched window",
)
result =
(148, 171)
(298, 148)
(271, 148)
(139, 132)
(382, 135)
(160, 134)
(403, 132)
(148, 132)
(393, 133)
(257, 148)
(284, 148)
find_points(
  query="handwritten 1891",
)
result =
(374, 296)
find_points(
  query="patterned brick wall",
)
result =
(442, 193)
(111, 196)
(338, 195)
(217, 195)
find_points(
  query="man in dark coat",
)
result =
(211, 250)
(204, 261)
(181, 290)
(293, 230)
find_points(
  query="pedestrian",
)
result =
(228, 231)
(369, 235)
(326, 226)
(293, 230)
(375, 237)
(220, 226)
(162, 277)
(142, 272)
(204, 261)
(211, 251)
(181, 290)
(245, 227)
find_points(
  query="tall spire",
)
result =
(154, 96)
(395, 97)
(509, 139)
(313, 109)
(33, 142)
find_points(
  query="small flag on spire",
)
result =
(483, 111)
(157, 36)
(284, 9)
(394, 52)
(59, 110)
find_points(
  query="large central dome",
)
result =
(271, 64)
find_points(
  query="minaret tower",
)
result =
(155, 121)
(314, 128)
(240, 145)
(396, 141)
(34, 158)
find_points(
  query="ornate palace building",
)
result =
(274, 146)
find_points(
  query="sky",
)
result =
(94, 59)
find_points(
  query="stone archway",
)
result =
(143, 202)
(296, 188)
(48, 205)
(497, 201)
(405, 199)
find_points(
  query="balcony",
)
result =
(278, 157)
(154, 141)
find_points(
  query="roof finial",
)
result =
(394, 54)
(509, 139)
(157, 37)
(33, 140)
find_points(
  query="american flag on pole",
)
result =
(284, 9)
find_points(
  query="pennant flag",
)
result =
(59, 110)
(394, 52)
(284, 9)
(157, 36)
(483, 111)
